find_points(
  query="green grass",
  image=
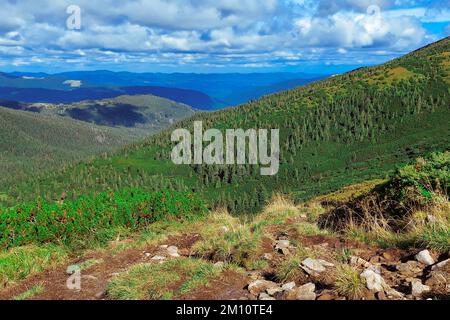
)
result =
(348, 282)
(239, 245)
(162, 281)
(289, 269)
(30, 293)
(19, 263)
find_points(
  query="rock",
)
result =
(219, 264)
(258, 286)
(265, 296)
(374, 281)
(312, 266)
(394, 294)
(305, 292)
(425, 257)
(163, 246)
(375, 268)
(282, 244)
(387, 256)
(288, 286)
(173, 251)
(441, 265)
(410, 269)
(273, 291)
(358, 262)
(147, 254)
(325, 263)
(158, 258)
(417, 288)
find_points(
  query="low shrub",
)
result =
(42, 222)
(390, 206)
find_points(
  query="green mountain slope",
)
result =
(334, 132)
(146, 112)
(33, 142)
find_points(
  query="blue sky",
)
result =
(324, 36)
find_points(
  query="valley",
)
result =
(359, 208)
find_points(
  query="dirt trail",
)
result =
(94, 279)
(231, 285)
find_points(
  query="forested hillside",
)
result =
(147, 112)
(334, 132)
(31, 143)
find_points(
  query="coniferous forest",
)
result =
(335, 132)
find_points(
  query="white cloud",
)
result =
(211, 32)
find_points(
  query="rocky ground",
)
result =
(280, 255)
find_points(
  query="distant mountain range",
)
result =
(35, 95)
(201, 91)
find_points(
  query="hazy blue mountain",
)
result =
(192, 98)
(207, 91)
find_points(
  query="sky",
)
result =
(214, 36)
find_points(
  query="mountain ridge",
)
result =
(334, 132)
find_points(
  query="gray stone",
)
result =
(359, 262)
(314, 266)
(282, 244)
(326, 263)
(374, 281)
(158, 258)
(305, 292)
(417, 288)
(258, 286)
(394, 294)
(425, 257)
(265, 296)
(173, 251)
(288, 286)
(441, 265)
(410, 269)
(273, 291)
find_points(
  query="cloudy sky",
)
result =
(322, 36)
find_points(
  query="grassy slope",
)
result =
(334, 132)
